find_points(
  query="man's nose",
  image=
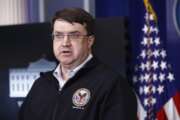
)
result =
(66, 41)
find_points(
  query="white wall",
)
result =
(34, 11)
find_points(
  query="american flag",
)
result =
(153, 78)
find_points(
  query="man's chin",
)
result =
(66, 62)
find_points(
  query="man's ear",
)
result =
(91, 40)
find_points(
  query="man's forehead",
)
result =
(65, 26)
(73, 23)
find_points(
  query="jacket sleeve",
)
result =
(120, 103)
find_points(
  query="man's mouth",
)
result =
(66, 52)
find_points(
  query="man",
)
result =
(81, 87)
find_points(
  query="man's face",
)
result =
(71, 44)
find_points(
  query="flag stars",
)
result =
(156, 30)
(146, 16)
(163, 53)
(151, 29)
(141, 78)
(147, 77)
(156, 53)
(152, 71)
(149, 89)
(145, 29)
(160, 89)
(148, 65)
(157, 41)
(143, 54)
(149, 17)
(144, 41)
(155, 65)
(153, 101)
(150, 40)
(163, 65)
(154, 77)
(146, 102)
(149, 101)
(162, 77)
(146, 90)
(170, 77)
(149, 53)
(142, 66)
(147, 41)
(154, 89)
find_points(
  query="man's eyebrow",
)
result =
(57, 32)
(72, 32)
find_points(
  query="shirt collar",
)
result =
(82, 64)
(57, 72)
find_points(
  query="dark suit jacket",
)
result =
(96, 92)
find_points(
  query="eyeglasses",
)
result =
(71, 36)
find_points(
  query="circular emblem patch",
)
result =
(81, 97)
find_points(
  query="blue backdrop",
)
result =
(111, 8)
(168, 13)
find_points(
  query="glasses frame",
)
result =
(71, 36)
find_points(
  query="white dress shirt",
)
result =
(57, 72)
